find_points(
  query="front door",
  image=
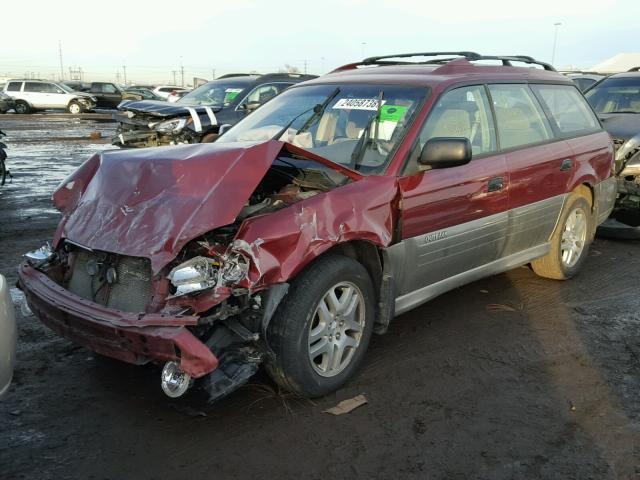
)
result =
(453, 220)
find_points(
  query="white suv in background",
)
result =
(32, 95)
(165, 90)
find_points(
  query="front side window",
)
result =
(109, 88)
(568, 108)
(264, 93)
(219, 93)
(520, 118)
(337, 122)
(463, 113)
(616, 95)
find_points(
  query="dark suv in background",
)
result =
(313, 222)
(616, 100)
(198, 116)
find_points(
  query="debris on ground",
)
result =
(347, 406)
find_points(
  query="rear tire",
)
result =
(321, 330)
(22, 107)
(570, 240)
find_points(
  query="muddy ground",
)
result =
(512, 377)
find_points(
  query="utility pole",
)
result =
(174, 76)
(213, 74)
(555, 42)
(182, 72)
(124, 72)
(118, 76)
(305, 66)
(61, 65)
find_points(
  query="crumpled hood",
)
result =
(161, 109)
(621, 125)
(151, 202)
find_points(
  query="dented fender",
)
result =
(282, 243)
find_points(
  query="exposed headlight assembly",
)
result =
(201, 273)
(40, 256)
(194, 275)
(172, 126)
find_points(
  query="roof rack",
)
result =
(470, 56)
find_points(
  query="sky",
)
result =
(152, 39)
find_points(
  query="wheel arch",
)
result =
(372, 258)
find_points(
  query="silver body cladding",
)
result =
(429, 265)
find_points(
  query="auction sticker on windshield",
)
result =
(231, 94)
(357, 104)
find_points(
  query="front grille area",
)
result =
(130, 291)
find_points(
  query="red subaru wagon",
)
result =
(341, 203)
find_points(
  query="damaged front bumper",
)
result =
(136, 338)
(136, 139)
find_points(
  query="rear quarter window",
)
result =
(568, 108)
(14, 86)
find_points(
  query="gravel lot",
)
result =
(512, 377)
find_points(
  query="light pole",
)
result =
(362, 45)
(555, 42)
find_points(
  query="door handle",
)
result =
(566, 165)
(495, 184)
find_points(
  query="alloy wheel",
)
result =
(336, 329)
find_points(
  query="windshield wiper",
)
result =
(365, 138)
(318, 110)
(622, 111)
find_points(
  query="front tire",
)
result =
(322, 328)
(74, 108)
(570, 240)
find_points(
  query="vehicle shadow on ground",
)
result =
(509, 377)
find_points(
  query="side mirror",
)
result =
(223, 128)
(250, 107)
(445, 152)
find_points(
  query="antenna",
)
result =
(61, 65)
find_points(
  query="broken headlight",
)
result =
(172, 126)
(40, 256)
(194, 275)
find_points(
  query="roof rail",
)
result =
(634, 69)
(470, 56)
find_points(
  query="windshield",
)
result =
(336, 122)
(214, 94)
(616, 95)
(64, 87)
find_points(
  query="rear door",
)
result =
(540, 166)
(34, 93)
(573, 119)
(453, 220)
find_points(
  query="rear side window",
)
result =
(520, 118)
(33, 87)
(568, 108)
(168, 89)
(14, 86)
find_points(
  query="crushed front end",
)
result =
(184, 264)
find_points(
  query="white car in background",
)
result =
(165, 90)
(8, 336)
(32, 95)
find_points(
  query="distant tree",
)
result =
(289, 69)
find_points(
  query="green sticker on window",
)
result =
(392, 113)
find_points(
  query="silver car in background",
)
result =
(8, 334)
